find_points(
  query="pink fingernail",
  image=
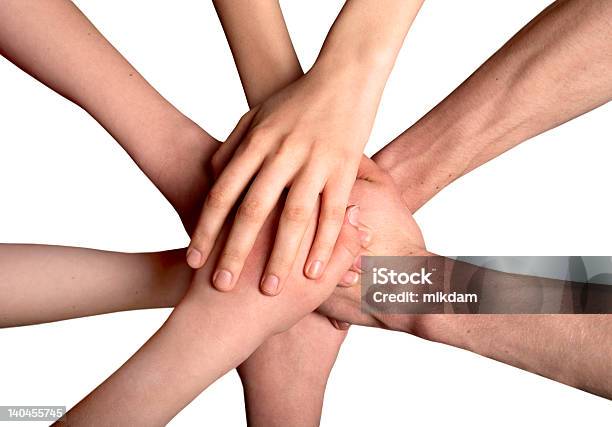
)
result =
(194, 258)
(350, 278)
(270, 285)
(357, 263)
(222, 280)
(343, 325)
(353, 215)
(365, 236)
(315, 269)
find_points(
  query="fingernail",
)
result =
(353, 215)
(350, 278)
(314, 269)
(343, 325)
(357, 263)
(270, 285)
(365, 236)
(338, 324)
(222, 280)
(194, 258)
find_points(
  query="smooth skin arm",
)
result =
(308, 137)
(556, 68)
(41, 283)
(260, 45)
(208, 334)
(55, 43)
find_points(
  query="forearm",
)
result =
(364, 42)
(284, 380)
(40, 283)
(54, 42)
(196, 345)
(260, 45)
(208, 334)
(554, 69)
(572, 349)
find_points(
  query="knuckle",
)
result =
(231, 256)
(280, 267)
(216, 198)
(333, 214)
(201, 236)
(250, 210)
(258, 138)
(324, 246)
(295, 213)
(290, 149)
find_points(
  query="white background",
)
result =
(63, 180)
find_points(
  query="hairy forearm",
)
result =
(554, 69)
(572, 349)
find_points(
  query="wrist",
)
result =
(361, 74)
(431, 154)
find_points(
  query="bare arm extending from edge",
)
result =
(55, 43)
(556, 68)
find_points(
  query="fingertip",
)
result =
(270, 285)
(353, 215)
(222, 280)
(314, 269)
(349, 278)
(340, 325)
(365, 236)
(194, 258)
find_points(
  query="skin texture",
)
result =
(440, 327)
(266, 61)
(553, 70)
(310, 137)
(209, 333)
(169, 148)
(537, 343)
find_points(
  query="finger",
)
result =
(223, 155)
(347, 247)
(218, 204)
(333, 206)
(368, 169)
(338, 324)
(349, 279)
(261, 198)
(299, 207)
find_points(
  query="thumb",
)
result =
(368, 169)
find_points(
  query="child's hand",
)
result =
(309, 137)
